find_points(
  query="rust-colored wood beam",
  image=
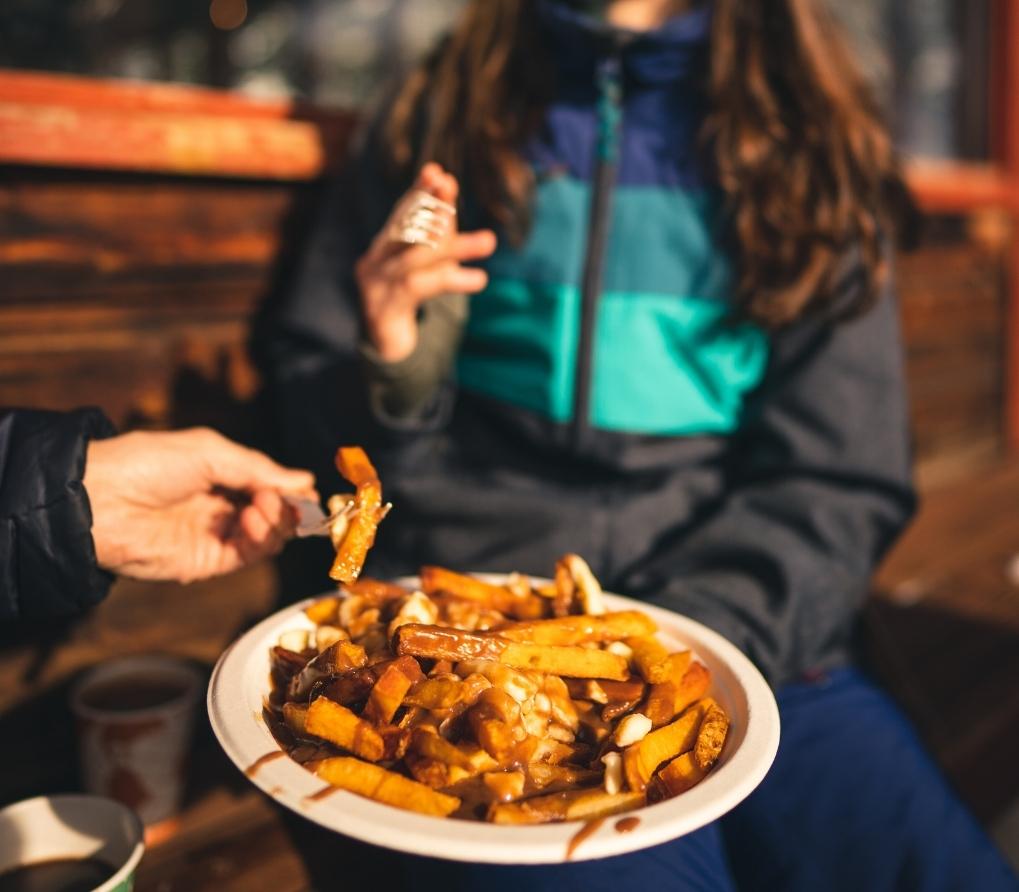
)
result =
(61, 121)
(1008, 111)
(44, 88)
(1005, 144)
(951, 187)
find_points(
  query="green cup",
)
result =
(60, 828)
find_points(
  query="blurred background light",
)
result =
(228, 14)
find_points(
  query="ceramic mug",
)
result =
(100, 839)
(135, 718)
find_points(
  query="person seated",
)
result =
(660, 331)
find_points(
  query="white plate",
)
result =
(240, 681)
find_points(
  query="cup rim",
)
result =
(116, 666)
(130, 864)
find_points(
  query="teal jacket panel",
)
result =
(666, 358)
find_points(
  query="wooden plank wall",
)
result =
(953, 298)
(135, 247)
(133, 292)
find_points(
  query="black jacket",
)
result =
(768, 536)
(47, 558)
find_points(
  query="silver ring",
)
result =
(421, 219)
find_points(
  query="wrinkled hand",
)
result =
(186, 505)
(395, 279)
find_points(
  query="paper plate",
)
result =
(240, 682)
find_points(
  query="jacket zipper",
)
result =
(610, 99)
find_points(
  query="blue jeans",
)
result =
(852, 802)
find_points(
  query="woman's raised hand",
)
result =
(395, 277)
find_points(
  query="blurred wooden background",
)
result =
(142, 226)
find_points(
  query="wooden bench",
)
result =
(142, 226)
(943, 632)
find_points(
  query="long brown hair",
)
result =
(795, 137)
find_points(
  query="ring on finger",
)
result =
(422, 220)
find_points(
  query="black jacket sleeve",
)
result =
(819, 485)
(47, 558)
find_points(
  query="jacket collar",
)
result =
(675, 52)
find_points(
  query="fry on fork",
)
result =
(355, 466)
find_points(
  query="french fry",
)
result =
(495, 703)
(426, 742)
(350, 687)
(565, 590)
(438, 643)
(355, 466)
(555, 752)
(650, 658)
(354, 685)
(555, 777)
(588, 587)
(375, 782)
(344, 656)
(680, 775)
(676, 665)
(435, 693)
(492, 720)
(479, 762)
(641, 759)
(395, 741)
(519, 685)
(388, 692)
(575, 662)
(430, 772)
(339, 725)
(581, 629)
(572, 805)
(710, 736)
(505, 786)
(435, 580)
(323, 610)
(341, 657)
(563, 710)
(496, 738)
(441, 668)
(376, 591)
(668, 699)
(603, 691)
